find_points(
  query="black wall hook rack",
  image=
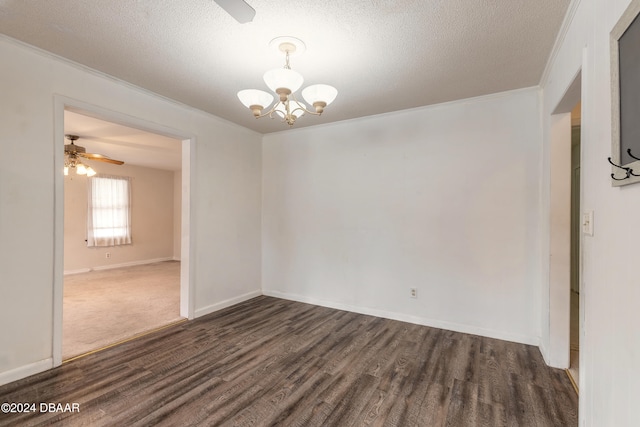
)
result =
(628, 171)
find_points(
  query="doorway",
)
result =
(116, 290)
(565, 299)
(183, 242)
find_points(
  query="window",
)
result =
(109, 213)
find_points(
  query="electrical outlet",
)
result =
(413, 292)
(108, 255)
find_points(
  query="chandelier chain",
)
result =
(286, 64)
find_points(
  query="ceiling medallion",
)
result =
(285, 82)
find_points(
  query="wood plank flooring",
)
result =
(272, 362)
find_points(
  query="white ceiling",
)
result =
(133, 146)
(382, 55)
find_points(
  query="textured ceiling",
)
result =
(382, 55)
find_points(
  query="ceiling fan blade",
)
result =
(100, 158)
(238, 9)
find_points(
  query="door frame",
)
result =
(559, 261)
(187, 275)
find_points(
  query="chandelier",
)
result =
(285, 82)
(81, 168)
(73, 153)
(72, 158)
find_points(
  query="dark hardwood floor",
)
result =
(272, 362)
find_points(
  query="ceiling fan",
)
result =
(73, 153)
(238, 9)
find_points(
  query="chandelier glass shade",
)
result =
(283, 78)
(320, 94)
(285, 82)
(81, 169)
(255, 99)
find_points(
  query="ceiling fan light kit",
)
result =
(72, 154)
(285, 82)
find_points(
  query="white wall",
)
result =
(610, 344)
(443, 199)
(177, 213)
(225, 196)
(360, 211)
(152, 220)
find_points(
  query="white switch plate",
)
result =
(587, 223)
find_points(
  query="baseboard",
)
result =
(25, 371)
(573, 381)
(226, 303)
(124, 264)
(78, 271)
(545, 352)
(450, 326)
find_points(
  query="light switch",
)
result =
(587, 223)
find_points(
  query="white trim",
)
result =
(480, 98)
(117, 117)
(545, 352)
(450, 326)
(187, 230)
(78, 271)
(132, 263)
(557, 45)
(128, 85)
(227, 303)
(25, 371)
(565, 104)
(187, 275)
(124, 264)
(58, 229)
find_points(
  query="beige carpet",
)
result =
(108, 306)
